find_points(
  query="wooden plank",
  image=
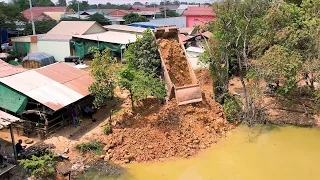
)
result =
(6, 169)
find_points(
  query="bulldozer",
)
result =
(185, 94)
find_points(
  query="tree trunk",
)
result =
(132, 101)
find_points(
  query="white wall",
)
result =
(33, 47)
(58, 49)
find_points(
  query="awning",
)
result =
(7, 119)
(12, 100)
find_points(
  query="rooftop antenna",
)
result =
(32, 22)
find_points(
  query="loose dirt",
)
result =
(176, 62)
(154, 132)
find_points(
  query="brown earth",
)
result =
(176, 62)
(154, 131)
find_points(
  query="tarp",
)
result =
(21, 47)
(12, 100)
(43, 58)
(86, 47)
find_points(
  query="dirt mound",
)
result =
(155, 132)
(176, 62)
(204, 76)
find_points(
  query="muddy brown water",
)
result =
(264, 153)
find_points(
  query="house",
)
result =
(45, 16)
(43, 96)
(138, 5)
(125, 28)
(36, 11)
(199, 15)
(182, 8)
(57, 41)
(118, 13)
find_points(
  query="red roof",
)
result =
(150, 8)
(8, 69)
(38, 10)
(199, 11)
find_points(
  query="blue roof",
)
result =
(146, 25)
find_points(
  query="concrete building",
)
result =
(199, 15)
(57, 41)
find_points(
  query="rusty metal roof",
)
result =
(8, 69)
(7, 119)
(54, 86)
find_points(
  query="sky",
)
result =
(131, 1)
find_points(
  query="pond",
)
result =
(264, 152)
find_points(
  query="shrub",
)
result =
(89, 147)
(232, 108)
(107, 130)
(41, 167)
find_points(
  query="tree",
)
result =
(41, 27)
(41, 167)
(143, 54)
(9, 14)
(169, 13)
(133, 17)
(22, 4)
(103, 72)
(62, 3)
(42, 3)
(82, 6)
(99, 18)
(141, 85)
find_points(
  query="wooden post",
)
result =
(13, 144)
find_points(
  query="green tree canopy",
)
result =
(134, 17)
(99, 18)
(9, 14)
(141, 85)
(41, 27)
(104, 74)
(22, 4)
(61, 3)
(143, 54)
(37, 3)
(82, 6)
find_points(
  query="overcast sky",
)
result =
(129, 1)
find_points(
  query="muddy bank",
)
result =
(176, 62)
(155, 132)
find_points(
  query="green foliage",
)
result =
(44, 3)
(232, 108)
(141, 85)
(106, 129)
(21, 4)
(143, 54)
(42, 27)
(169, 13)
(9, 13)
(103, 73)
(73, 4)
(41, 167)
(61, 3)
(89, 147)
(133, 17)
(99, 18)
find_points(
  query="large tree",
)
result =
(61, 3)
(9, 15)
(82, 6)
(143, 54)
(99, 18)
(134, 17)
(42, 3)
(22, 4)
(41, 27)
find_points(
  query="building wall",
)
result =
(191, 20)
(58, 49)
(95, 29)
(180, 22)
(33, 47)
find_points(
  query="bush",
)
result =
(107, 130)
(89, 147)
(232, 108)
(41, 167)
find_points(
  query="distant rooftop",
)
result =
(199, 11)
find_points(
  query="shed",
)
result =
(37, 60)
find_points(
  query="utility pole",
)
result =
(32, 22)
(79, 9)
(165, 8)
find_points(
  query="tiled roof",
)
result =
(199, 11)
(38, 10)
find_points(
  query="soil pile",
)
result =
(154, 131)
(176, 62)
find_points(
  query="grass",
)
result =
(90, 147)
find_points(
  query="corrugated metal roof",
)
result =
(8, 69)
(124, 28)
(37, 10)
(71, 27)
(199, 11)
(7, 119)
(54, 86)
(110, 37)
